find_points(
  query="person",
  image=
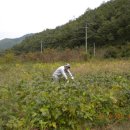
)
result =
(62, 71)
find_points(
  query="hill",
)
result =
(8, 42)
(107, 25)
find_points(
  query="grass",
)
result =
(101, 87)
(97, 66)
(116, 126)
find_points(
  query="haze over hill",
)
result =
(8, 42)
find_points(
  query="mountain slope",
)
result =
(108, 24)
(8, 43)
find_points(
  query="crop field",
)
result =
(98, 98)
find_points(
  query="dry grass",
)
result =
(116, 126)
(53, 55)
(97, 66)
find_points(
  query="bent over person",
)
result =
(62, 71)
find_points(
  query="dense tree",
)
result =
(108, 24)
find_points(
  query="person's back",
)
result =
(59, 71)
(62, 71)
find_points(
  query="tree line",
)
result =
(107, 25)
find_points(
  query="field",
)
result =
(98, 98)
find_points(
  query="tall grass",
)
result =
(97, 66)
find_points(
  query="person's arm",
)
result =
(64, 74)
(70, 74)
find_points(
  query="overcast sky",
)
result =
(20, 17)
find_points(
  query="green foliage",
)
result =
(8, 58)
(8, 43)
(108, 24)
(30, 100)
(112, 52)
(126, 51)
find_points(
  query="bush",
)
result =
(111, 53)
(7, 58)
(126, 52)
(86, 56)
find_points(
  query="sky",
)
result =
(20, 17)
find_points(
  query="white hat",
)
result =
(67, 65)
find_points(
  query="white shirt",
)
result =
(61, 71)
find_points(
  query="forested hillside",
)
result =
(8, 42)
(107, 25)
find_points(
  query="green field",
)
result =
(97, 99)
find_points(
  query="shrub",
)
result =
(126, 51)
(111, 53)
(8, 58)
